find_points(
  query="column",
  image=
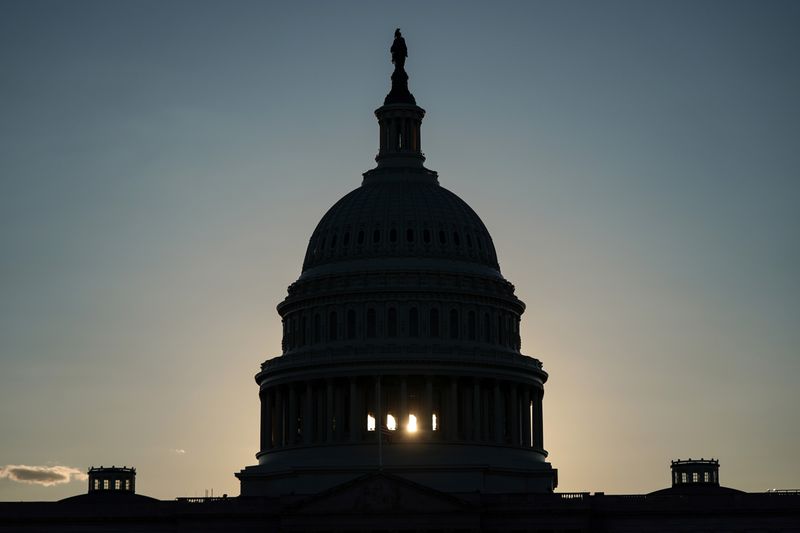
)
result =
(279, 420)
(291, 436)
(452, 416)
(513, 412)
(498, 423)
(308, 415)
(427, 412)
(476, 410)
(526, 417)
(329, 411)
(356, 422)
(403, 416)
(538, 428)
(339, 410)
(379, 407)
(266, 421)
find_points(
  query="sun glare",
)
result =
(412, 424)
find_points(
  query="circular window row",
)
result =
(329, 244)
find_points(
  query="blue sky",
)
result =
(164, 163)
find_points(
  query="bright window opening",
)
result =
(435, 422)
(370, 423)
(391, 423)
(412, 424)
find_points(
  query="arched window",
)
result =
(376, 236)
(371, 323)
(391, 322)
(410, 235)
(456, 239)
(426, 236)
(317, 328)
(500, 332)
(333, 326)
(361, 237)
(469, 241)
(434, 323)
(442, 237)
(351, 324)
(392, 235)
(487, 328)
(346, 238)
(413, 322)
(454, 323)
(471, 325)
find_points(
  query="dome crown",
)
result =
(400, 219)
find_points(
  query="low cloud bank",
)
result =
(42, 475)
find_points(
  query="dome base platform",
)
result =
(449, 468)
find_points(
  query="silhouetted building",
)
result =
(114, 478)
(401, 400)
(401, 321)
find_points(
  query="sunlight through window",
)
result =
(370, 423)
(391, 423)
(434, 422)
(412, 424)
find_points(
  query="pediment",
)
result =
(379, 494)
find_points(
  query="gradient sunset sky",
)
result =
(163, 164)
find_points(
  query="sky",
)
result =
(163, 165)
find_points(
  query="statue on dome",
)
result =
(399, 50)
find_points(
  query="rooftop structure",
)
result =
(112, 478)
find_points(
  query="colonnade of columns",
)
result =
(400, 134)
(418, 407)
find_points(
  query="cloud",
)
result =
(179, 451)
(42, 475)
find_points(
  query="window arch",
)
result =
(391, 322)
(371, 326)
(351, 324)
(360, 238)
(471, 325)
(434, 323)
(500, 328)
(376, 236)
(454, 323)
(413, 322)
(392, 235)
(410, 235)
(333, 326)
